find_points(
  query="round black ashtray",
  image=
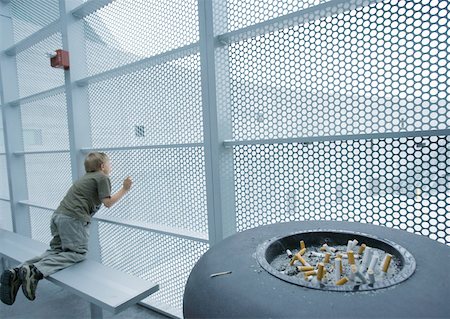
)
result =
(311, 259)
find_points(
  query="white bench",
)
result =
(103, 287)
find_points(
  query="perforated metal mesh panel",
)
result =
(31, 16)
(242, 13)
(49, 177)
(40, 224)
(33, 67)
(153, 27)
(163, 259)
(168, 187)
(4, 188)
(5, 215)
(380, 68)
(163, 99)
(44, 124)
(400, 183)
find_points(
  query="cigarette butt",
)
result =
(337, 268)
(386, 262)
(339, 256)
(349, 245)
(302, 251)
(305, 268)
(353, 270)
(351, 257)
(366, 258)
(220, 274)
(327, 258)
(323, 248)
(371, 276)
(373, 262)
(289, 253)
(361, 277)
(302, 244)
(293, 259)
(341, 281)
(301, 259)
(361, 248)
(341, 269)
(310, 273)
(316, 254)
(320, 271)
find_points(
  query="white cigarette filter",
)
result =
(337, 268)
(371, 276)
(386, 262)
(366, 258)
(349, 245)
(289, 253)
(361, 277)
(353, 271)
(373, 262)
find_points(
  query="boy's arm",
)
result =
(110, 201)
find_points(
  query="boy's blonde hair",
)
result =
(94, 161)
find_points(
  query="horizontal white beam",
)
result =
(156, 228)
(138, 65)
(37, 205)
(38, 96)
(139, 147)
(89, 7)
(36, 37)
(311, 139)
(312, 13)
(41, 152)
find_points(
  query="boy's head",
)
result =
(97, 161)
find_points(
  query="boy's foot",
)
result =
(10, 284)
(30, 276)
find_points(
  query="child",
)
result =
(69, 226)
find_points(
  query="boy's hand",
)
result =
(127, 183)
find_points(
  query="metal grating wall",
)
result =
(153, 27)
(380, 68)
(50, 133)
(48, 177)
(156, 105)
(169, 187)
(398, 183)
(228, 115)
(29, 17)
(167, 260)
(33, 71)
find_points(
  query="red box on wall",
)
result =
(60, 60)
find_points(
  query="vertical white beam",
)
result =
(77, 100)
(218, 160)
(12, 126)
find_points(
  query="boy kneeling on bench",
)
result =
(69, 227)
